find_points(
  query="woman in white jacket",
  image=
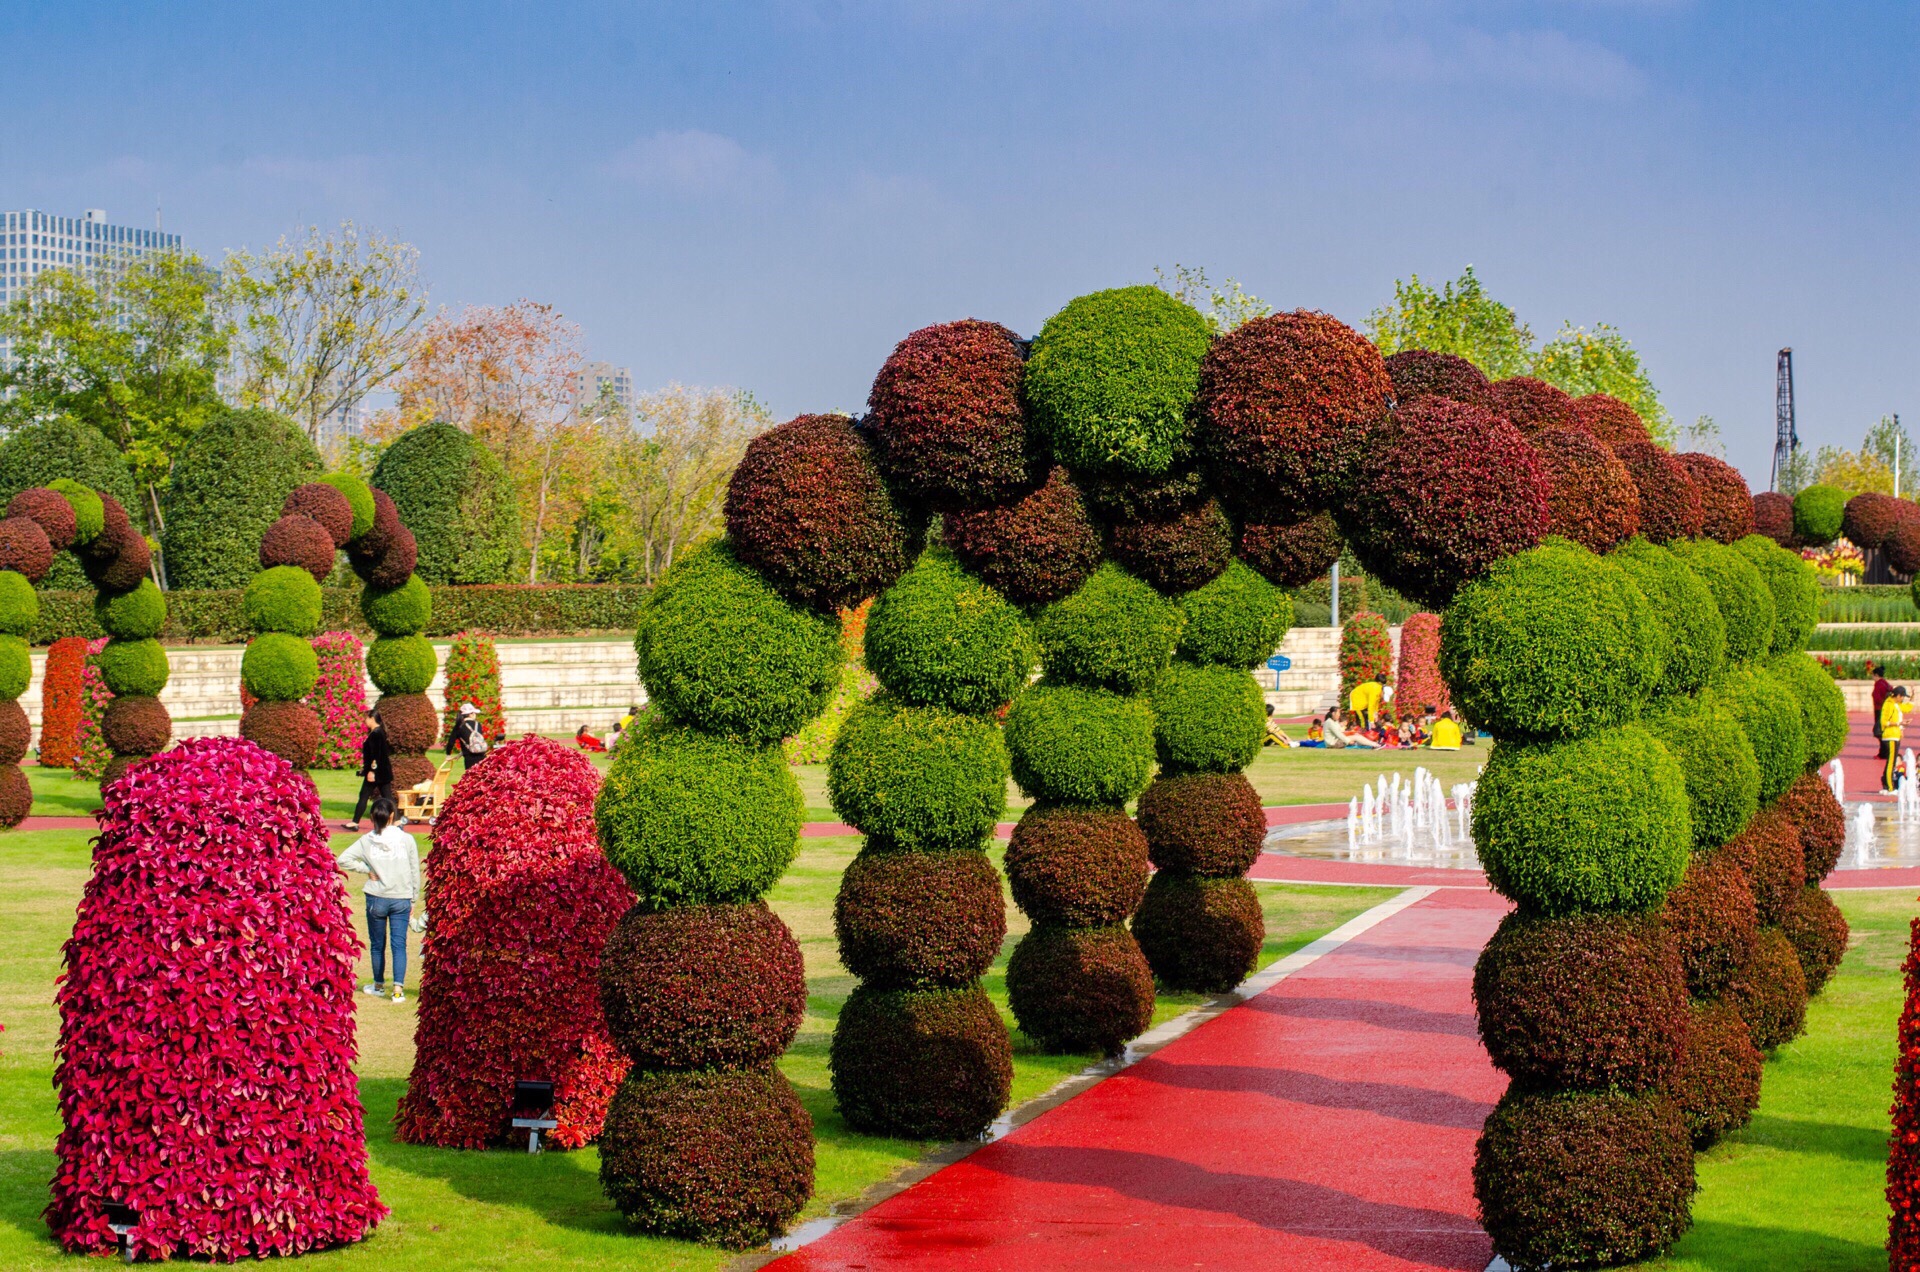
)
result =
(390, 858)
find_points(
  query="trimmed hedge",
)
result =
(941, 638)
(134, 724)
(1554, 642)
(1206, 719)
(919, 920)
(1070, 745)
(411, 723)
(298, 540)
(281, 599)
(1235, 621)
(918, 777)
(1809, 804)
(1794, 587)
(402, 664)
(1768, 853)
(1683, 605)
(16, 733)
(1200, 935)
(1115, 632)
(1077, 867)
(25, 548)
(398, 611)
(1770, 992)
(63, 448)
(1530, 405)
(1717, 761)
(127, 666)
(1080, 989)
(1119, 498)
(359, 496)
(325, 504)
(1109, 379)
(1742, 595)
(694, 819)
(946, 411)
(1718, 1086)
(1773, 517)
(1590, 496)
(135, 615)
(1609, 420)
(16, 668)
(1669, 501)
(1177, 553)
(1422, 373)
(1819, 511)
(19, 605)
(276, 668)
(227, 486)
(1712, 922)
(1292, 555)
(1818, 932)
(1870, 517)
(1823, 708)
(1599, 823)
(291, 730)
(1770, 715)
(1208, 824)
(56, 516)
(889, 1045)
(455, 496)
(1726, 505)
(1034, 549)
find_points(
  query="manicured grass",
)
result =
(1867, 639)
(458, 1210)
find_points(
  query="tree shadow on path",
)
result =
(1384, 1099)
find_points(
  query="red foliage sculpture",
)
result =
(1669, 501)
(1423, 373)
(206, 1019)
(1869, 518)
(1293, 555)
(1592, 499)
(1902, 544)
(297, 539)
(1366, 651)
(1608, 419)
(946, 411)
(1903, 1156)
(1035, 549)
(1726, 505)
(1417, 684)
(60, 702)
(50, 510)
(1179, 553)
(522, 902)
(1531, 405)
(325, 505)
(1773, 517)
(24, 548)
(473, 675)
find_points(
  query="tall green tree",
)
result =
(1224, 305)
(1458, 318)
(1887, 440)
(1604, 361)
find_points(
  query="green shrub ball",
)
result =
(1715, 758)
(694, 819)
(1207, 719)
(1080, 746)
(1770, 714)
(1235, 621)
(359, 498)
(89, 510)
(1110, 378)
(134, 615)
(1823, 708)
(398, 611)
(1817, 514)
(941, 638)
(1683, 605)
(16, 667)
(1745, 600)
(1552, 642)
(718, 648)
(918, 777)
(401, 664)
(282, 599)
(19, 604)
(134, 666)
(1599, 823)
(1115, 632)
(278, 667)
(1795, 590)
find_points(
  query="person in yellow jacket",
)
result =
(1445, 734)
(1892, 713)
(1363, 704)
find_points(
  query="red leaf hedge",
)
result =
(325, 505)
(1177, 554)
(1208, 824)
(1773, 517)
(1592, 499)
(1726, 505)
(60, 701)
(1869, 518)
(1417, 684)
(1903, 1148)
(1077, 867)
(946, 411)
(1291, 555)
(298, 540)
(1809, 804)
(1669, 501)
(1718, 1085)
(521, 901)
(1424, 373)
(50, 510)
(1530, 405)
(291, 730)
(1035, 549)
(1608, 419)
(206, 1019)
(24, 548)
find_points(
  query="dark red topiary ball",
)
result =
(16, 733)
(134, 724)
(1592, 499)
(1208, 824)
(1902, 544)
(1718, 1086)
(1711, 920)
(298, 540)
(702, 986)
(1530, 405)
(1769, 854)
(1669, 501)
(1590, 1000)
(1423, 373)
(411, 770)
(1809, 804)
(1443, 491)
(1818, 932)
(119, 558)
(1119, 497)
(1770, 992)
(370, 547)
(1036, 549)
(929, 1064)
(1080, 989)
(395, 564)
(1773, 517)
(49, 510)
(916, 920)
(1283, 404)
(24, 548)
(1608, 419)
(16, 796)
(1200, 936)
(325, 505)
(1291, 555)
(411, 723)
(291, 730)
(1726, 505)
(114, 523)
(806, 508)
(1077, 867)
(1176, 555)
(1870, 517)
(945, 411)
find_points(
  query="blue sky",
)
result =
(769, 195)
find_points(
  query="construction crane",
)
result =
(1786, 438)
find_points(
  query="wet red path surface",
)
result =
(1328, 1123)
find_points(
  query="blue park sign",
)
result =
(1279, 662)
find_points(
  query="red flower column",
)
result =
(206, 1019)
(1903, 1158)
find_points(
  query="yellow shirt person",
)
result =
(1892, 712)
(1364, 701)
(1446, 735)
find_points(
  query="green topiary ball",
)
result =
(720, 649)
(454, 494)
(1683, 605)
(941, 638)
(694, 819)
(1080, 746)
(401, 664)
(1817, 514)
(16, 667)
(19, 604)
(1207, 719)
(134, 615)
(1823, 708)
(1235, 621)
(1599, 823)
(1110, 378)
(1745, 601)
(278, 667)
(918, 777)
(1770, 715)
(89, 510)
(282, 599)
(398, 611)
(359, 498)
(1795, 589)
(1717, 761)
(1115, 632)
(1552, 642)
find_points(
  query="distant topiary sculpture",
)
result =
(397, 606)
(456, 498)
(229, 485)
(1819, 512)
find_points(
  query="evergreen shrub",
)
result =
(1669, 501)
(1770, 992)
(918, 777)
(1209, 824)
(119, 558)
(89, 509)
(1114, 633)
(1770, 716)
(1869, 518)
(1718, 1085)
(1744, 600)
(1077, 867)
(1794, 587)
(1235, 621)
(281, 599)
(127, 666)
(1291, 555)
(1176, 553)
(19, 604)
(1033, 549)
(1717, 761)
(1530, 405)
(1726, 505)
(1080, 989)
(1424, 373)
(946, 410)
(919, 920)
(398, 611)
(1200, 935)
(134, 724)
(16, 667)
(16, 733)
(276, 668)
(16, 796)
(1818, 932)
(1823, 708)
(457, 499)
(1819, 511)
(402, 664)
(1206, 719)
(941, 638)
(409, 720)
(1080, 746)
(888, 1045)
(1684, 606)
(134, 615)
(227, 487)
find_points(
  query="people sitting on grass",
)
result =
(1363, 704)
(1276, 735)
(584, 739)
(1316, 734)
(390, 858)
(1445, 732)
(1342, 731)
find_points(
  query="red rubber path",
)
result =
(1327, 1123)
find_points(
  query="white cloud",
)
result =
(693, 163)
(1547, 61)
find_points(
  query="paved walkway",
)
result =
(1327, 1123)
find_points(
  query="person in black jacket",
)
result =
(376, 768)
(468, 737)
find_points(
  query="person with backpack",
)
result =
(468, 736)
(390, 858)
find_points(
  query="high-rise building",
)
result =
(33, 242)
(591, 378)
